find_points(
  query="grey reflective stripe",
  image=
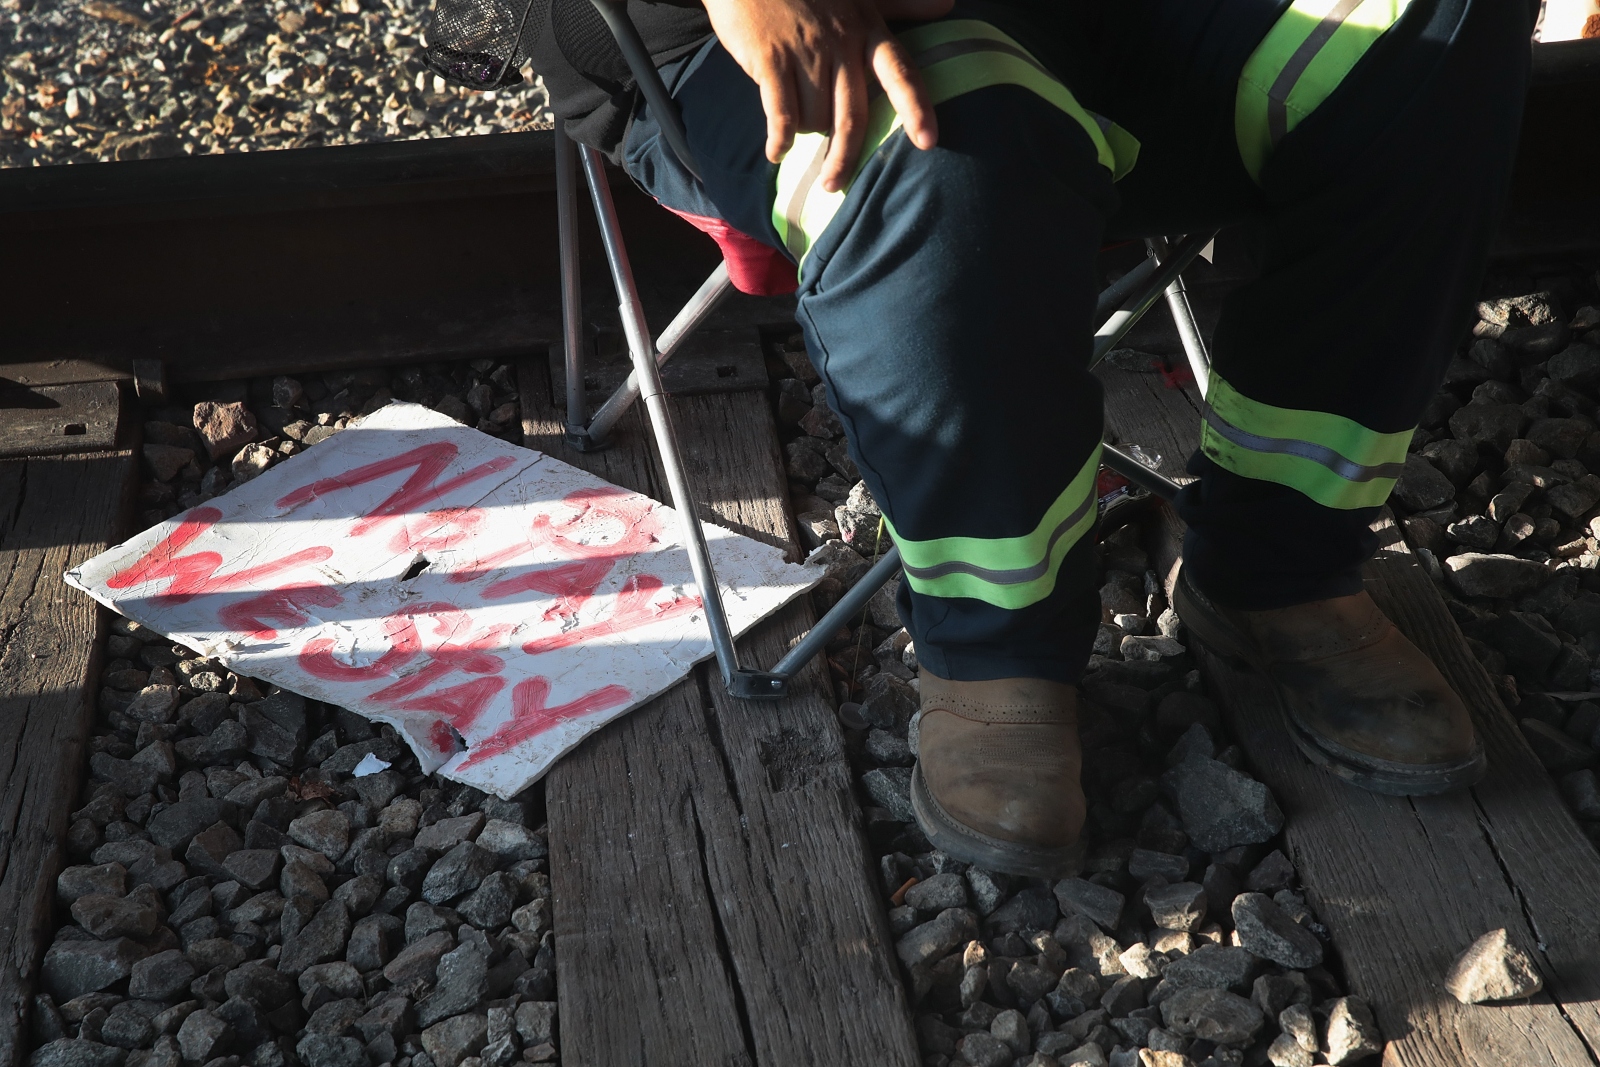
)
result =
(1278, 95)
(950, 49)
(1011, 577)
(1322, 455)
(794, 210)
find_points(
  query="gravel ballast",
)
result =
(119, 79)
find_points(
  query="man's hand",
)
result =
(810, 60)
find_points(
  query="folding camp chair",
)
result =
(480, 44)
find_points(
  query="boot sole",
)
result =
(1358, 769)
(962, 842)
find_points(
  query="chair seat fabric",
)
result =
(754, 268)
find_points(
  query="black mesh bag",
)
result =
(482, 44)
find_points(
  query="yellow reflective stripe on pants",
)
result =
(1335, 461)
(955, 57)
(1299, 64)
(1008, 572)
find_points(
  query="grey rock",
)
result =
(419, 960)
(937, 938)
(1099, 903)
(214, 952)
(1555, 749)
(73, 968)
(457, 872)
(988, 889)
(446, 834)
(154, 704)
(1481, 574)
(453, 1040)
(536, 1022)
(1220, 807)
(1296, 1021)
(299, 881)
(1273, 993)
(131, 778)
(1265, 930)
(330, 981)
(320, 940)
(72, 1052)
(161, 976)
(210, 847)
(941, 891)
(1010, 1027)
(1475, 532)
(1422, 485)
(463, 982)
(888, 703)
(1352, 1033)
(360, 893)
(423, 919)
(984, 1050)
(511, 842)
(265, 738)
(254, 867)
(1499, 424)
(75, 882)
(1578, 366)
(369, 948)
(890, 788)
(1493, 969)
(390, 1016)
(203, 1037)
(1144, 863)
(106, 916)
(327, 832)
(1125, 994)
(1273, 873)
(1285, 1051)
(176, 825)
(1029, 981)
(336, 1016)
(489, 906)
(260, 983)
(1212, 1015)
(326, 1050)
(1212, 967)
(1032, 908)
(1181, 906)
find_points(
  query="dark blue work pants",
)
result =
(948, 305)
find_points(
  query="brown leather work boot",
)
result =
(997, 776)
(1359, 698)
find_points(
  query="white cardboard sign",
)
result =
(492, 603)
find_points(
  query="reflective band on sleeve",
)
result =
(1333, 460)
(1008, 572)
(1299, 64)
(956, 57)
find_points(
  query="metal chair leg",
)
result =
(641, 351)
(1194, 346)
(697, 310)
(571, 289)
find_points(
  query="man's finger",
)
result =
(778, 101)
(849, 124)
(903, 84)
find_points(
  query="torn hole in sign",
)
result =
(418, 565)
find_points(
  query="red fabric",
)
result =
(753, 267)
(1177, 376)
